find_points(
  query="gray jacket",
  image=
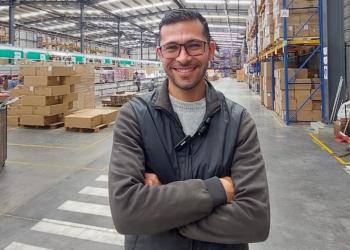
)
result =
(189, 210)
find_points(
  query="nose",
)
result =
(183, 57)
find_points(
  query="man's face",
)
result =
(185, 71)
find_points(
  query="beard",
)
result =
(187, 83)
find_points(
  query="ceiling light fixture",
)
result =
(147, 6)
(205, 2)
(61, 26)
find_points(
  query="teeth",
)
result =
(184, 69)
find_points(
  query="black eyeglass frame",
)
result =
(184, 46)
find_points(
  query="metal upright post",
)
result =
(118, 49)
(285, 64)
(323, 90)
(141, 45)
(273, 81)
(257, 64)
(12, 7)
(82, 24)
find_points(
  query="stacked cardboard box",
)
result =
(268, 25)
(298, 93)
(300, 11)
(13, 114)
(266, 82)
(241, 77)
(46, 94)
(90, 118)
(84, 86)
(119, 98)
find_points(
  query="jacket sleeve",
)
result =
(247, 219)
(138, 208)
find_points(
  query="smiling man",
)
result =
(186, 171)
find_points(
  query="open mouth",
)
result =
(185, 69)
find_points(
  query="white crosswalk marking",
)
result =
(86, 208)
(20, 246)
(79, 231)
(103, 192)
(103, 178)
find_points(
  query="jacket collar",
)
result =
(211, 96)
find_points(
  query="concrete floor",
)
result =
(53, 189)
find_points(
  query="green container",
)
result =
(126, 62)
(37, 56)
(11, 54)
(107, 61)
(79, 59)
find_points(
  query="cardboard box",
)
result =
(53, 70)
(301, 95)
(307, 105)
(302, 86)
(38, 120)
(70, 97)
(302, 74)
(27, 70)
(12, 111)
(50, 110)
(108, 115)
(42, 81)
(83, 120)
(70, 80)
(40, 100)
(268, 100)
(317, 96)
(12, 120)
(83, 69)
(316, 105)
(25, 110)
(53, 90)
(241, 75)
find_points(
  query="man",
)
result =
(137, 81)
(186, 170)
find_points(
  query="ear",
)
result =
(159, 54)
(212, 47)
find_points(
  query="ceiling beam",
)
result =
(179, 4)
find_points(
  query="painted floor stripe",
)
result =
(20, 246)
(79, 231)
(86, 208)
(103, 178)
(103, 192)
(327, 149)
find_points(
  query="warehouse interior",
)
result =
(68, 66)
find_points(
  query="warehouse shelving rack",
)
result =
(253, 34)
(293, 44)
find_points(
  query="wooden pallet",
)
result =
(50, 126)
(89, 130)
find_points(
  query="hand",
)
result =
(229, 188)
(152, 179)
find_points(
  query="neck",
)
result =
(187, 95)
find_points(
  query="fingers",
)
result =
(151, 179)
(229, 188)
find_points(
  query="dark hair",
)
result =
(182, 15)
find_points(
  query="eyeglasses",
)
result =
(192, 48)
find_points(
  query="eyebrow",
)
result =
(192, 40)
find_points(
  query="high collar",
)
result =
(211, 97)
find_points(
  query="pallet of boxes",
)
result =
(304, 93)
(303, 19)
(86, 118)
(118, 99)
(47, 95)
